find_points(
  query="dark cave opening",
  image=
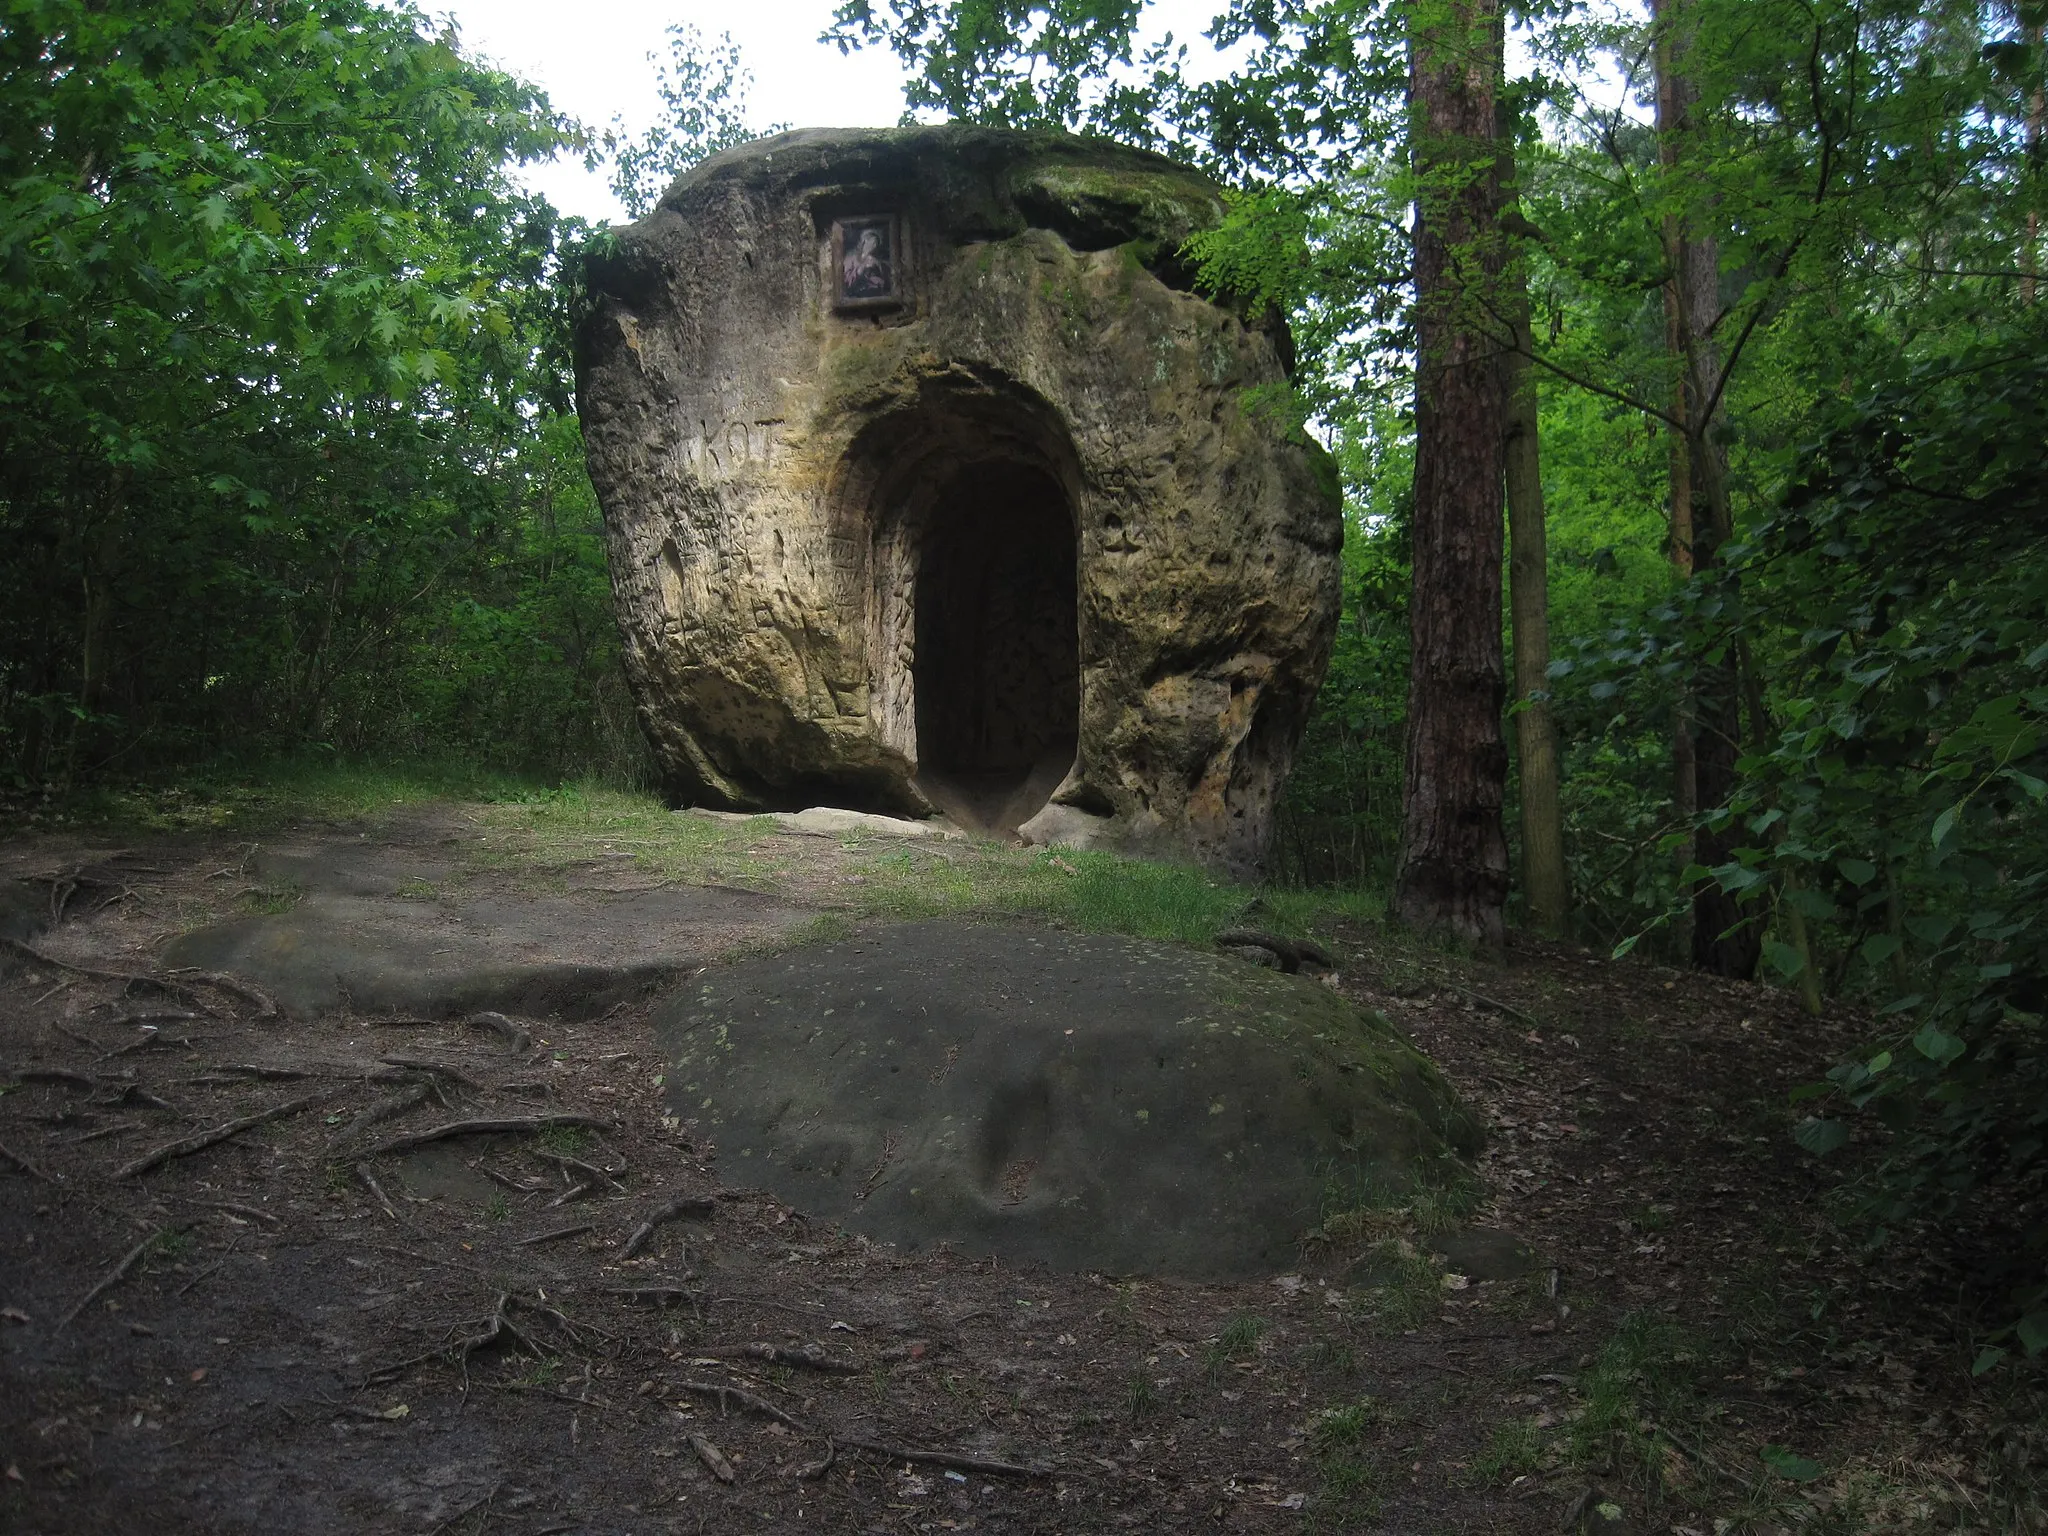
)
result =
(997, 651)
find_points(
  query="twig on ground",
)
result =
(951, 1459)
(368, 1180)
(682, 1205)
(201, 1140)
(517, 1186)
(819, 1468)
(508, 1031)
(152, 1037)
(267, 1217)
(571, 1193)
(389, 1108)
(235, 987)
(555, 1392)
(577, 1165)
(516, 1125)
(154, 1016)
(810, 1357)
(24, 1164)
(739, 1396)
(117, 1128)
(211, 1269)
(113, 1276)
(656, 1295)
(1495, 1004)
(713, 1458)
(422, 1064)
(262, 1073)
(135, 1093)
(559, 1232)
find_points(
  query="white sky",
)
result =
(590, 56)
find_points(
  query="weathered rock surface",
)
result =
(378, 931)
(930, 486)
(1091, 1103)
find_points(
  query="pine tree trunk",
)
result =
(1544, 885)
(1726, 940)
(1454, 860)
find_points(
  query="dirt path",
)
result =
(241, 1292)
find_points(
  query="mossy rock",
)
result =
(1092, 1103)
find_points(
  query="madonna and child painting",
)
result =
(864, 252)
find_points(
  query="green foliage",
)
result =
(280, 397)
(1906, 788)
(703, 89)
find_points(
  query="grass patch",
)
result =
(1514, 1449)
(1348, 1474)
(1360, 1205)
(1141, 1397)
(531, 824)
(1090, 891)
(568, 1140)
(1238, 1339)
(1407, 1289)
(270, 900)
(1641, 1381)
(258, 795)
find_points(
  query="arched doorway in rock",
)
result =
(996, 661)
(964, 503)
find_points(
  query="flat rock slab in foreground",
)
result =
(1092, 1103)
(376, 932)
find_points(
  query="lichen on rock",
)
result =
(931, 486)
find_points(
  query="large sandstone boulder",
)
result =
(931, 486)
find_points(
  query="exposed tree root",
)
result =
(1290, 953)
(114, 1276)
(24, 1164)
(961, 1463)
(515, 1125)
(682, 1205)
(513, 1034)
(809, 1357)
(201, 1140)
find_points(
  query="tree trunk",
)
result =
(1544, 885)
(1685, 797)
(1726, 940)
(2037, 115)
(1454, 857)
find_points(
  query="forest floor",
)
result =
(282, 1329)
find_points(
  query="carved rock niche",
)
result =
(931, 487)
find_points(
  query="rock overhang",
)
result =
(827, 353)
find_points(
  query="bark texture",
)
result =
(1454, 862)
(1544, 885)
(1726, 939)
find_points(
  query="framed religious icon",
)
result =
(867, 262)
